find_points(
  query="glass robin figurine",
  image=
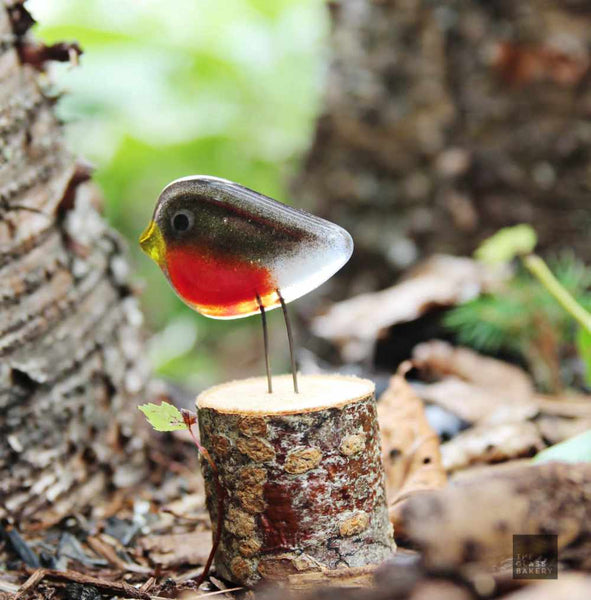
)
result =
(230, 252)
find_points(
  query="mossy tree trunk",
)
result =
(70, 348)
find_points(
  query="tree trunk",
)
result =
(302, 473)
(71, 371)
(445, 121)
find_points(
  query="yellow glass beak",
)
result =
(152, 243)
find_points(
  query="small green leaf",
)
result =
(506, 244)
(574, 450)
(163, 417)
(584, 350)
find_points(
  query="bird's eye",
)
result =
(182, 220)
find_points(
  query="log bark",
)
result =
(303, 477)
(71, 368)
(444, 121)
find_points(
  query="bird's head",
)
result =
(175, 220)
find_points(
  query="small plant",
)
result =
(525, 318)
(166, 417)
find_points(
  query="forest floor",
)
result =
(459, 431)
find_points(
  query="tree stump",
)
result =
(303, 476)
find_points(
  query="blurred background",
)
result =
(222, 88)
(421, 127)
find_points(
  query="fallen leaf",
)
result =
(491, 444)
(354, 325)
(410, 447)
(574, 405)
(474, 387)
(569, 586)
(177, 549)
(558, 429)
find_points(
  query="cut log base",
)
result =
(303, 477)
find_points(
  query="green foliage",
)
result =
(511, 318)
(507, 244)
(163, 417)
(574, 450)
(583, 342)
(525, 319)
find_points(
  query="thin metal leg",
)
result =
(294, 371)
(266, 343)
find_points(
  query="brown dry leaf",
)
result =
(569, 586)
(573, 405)
(474, 520)
(410, 448)
(355, 324)
(177, 549)
(485, 469)
(476, 388)
(491, 444)
(558, 429)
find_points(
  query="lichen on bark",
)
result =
(305, 492)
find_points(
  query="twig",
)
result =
(31, 583)
(216, 593)
(539, 269)
(107, 551)
(148, 585)
(198, 596)
(178, 515)
(118, 588)
(190, 420)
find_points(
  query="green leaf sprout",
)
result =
(163, 417)
(507, 244)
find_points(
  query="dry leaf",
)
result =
(490, 444)
(355, 324)
(177, 549)
(574, 405)
(557, 429)
(474, 387)
(410, 448)
(569, 586)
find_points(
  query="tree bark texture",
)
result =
(71, 372)
(445, 121)
(304, 489)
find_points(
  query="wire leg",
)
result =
(266, 343)
(294, 371)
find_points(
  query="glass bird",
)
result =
(230, 252)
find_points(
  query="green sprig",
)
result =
(163, 417)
